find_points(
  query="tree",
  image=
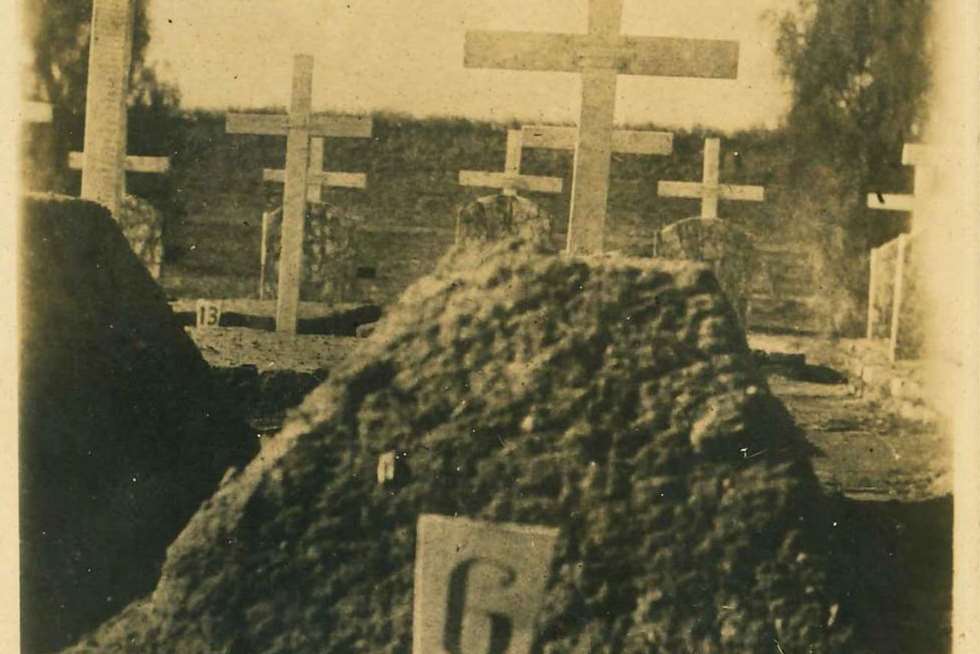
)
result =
(860, 75)
(58, 33)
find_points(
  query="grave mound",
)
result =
(123, 434)
(612, 398)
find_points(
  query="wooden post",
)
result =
(712, 157)
(294, 196)
(599, 57)
(110, 52)
(710, 190)
(899, 291)
(872, 294)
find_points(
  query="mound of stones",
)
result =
(123, 433)
(613, 399)
(726, 248)
(330, 253)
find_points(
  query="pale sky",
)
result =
(407, 56)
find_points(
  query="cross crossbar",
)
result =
(134, 164)
(626, 141)
(710, 190)
(319, 125)
(913, 154)
(37, 112)
(511, 180)
(626, 55)
(320, 178)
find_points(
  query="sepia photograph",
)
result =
(493, 327)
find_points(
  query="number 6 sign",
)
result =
(478, 585)
(208, 313)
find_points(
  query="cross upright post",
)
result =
(105, 102)
(599, 57)
(299, 127)
(294, 195)
(710, 190)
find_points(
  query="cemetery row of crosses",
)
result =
(533, 450)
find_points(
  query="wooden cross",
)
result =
(511, 180)
(299, 126)
(103, 168)
(918, 156)
(599, 57)
(710, 190)
(317, 178)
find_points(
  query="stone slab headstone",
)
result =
(726, 248)
(599, 57)
(710, 190)
(478, 585)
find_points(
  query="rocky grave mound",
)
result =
(123, 433)
(612, 398)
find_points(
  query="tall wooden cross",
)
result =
(299, 127)
(710, 190)
(599, 57)
(912, 155)
(511, 180)
(103, 169)
(317, 178)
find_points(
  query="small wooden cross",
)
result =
(710, 190)
(599, 57)
(103, 169)
(299, 126)
(918, 156)
(511, 180)
(317, 177)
